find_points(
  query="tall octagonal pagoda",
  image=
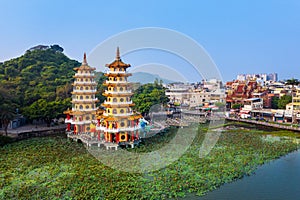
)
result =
(118, 122)
(83, 113)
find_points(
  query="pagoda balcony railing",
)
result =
(116, 82)
(85, 110)
(68, 120)
(119, 115)
(115, 72)
(84, 82)
(81, 122)
(117, 103)
(116, 130)
(118, 92)
(84, 74)
(84, 91)
(84, 100)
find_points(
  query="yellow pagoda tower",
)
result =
(118, 123)
(83, 101)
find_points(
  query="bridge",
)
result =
(267, 124)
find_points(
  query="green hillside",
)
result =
(38, 83)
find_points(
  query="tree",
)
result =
(236, 106)
(47, 111)
(100, 87)
(292, 82)
(285, 99)
(6, 115)
(148, 95)
(56, 47)
(274, 102)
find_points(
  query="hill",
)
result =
(39, 81)
(144, 77)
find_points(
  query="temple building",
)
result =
(114, 123)
(118, 123)
(82, 117)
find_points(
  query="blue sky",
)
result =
(240, 36)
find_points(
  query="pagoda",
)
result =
(82, 117)
(118, 123)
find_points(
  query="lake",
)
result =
(278, 179)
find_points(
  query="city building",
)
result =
(262, 78)
(238, 91)
(195, 95)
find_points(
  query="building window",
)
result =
(86, 88)
(121, 100)
(87, 118)
(81, 97)
(114, 111)
(81, 88)
(87, 107)
(87, 97)
(121, 89)
(122, 124)
(80, 107)
(114, 99)
(122, 111)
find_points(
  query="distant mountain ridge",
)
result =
(144, 77)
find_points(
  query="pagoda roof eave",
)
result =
(117, 64)
(118, 74)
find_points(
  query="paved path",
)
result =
(279, 126)
(31, 128)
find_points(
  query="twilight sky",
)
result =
(240, 36)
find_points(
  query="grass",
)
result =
(55, 168)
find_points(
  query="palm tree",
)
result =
(6, 115)
(292, 82)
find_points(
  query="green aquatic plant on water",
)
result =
(56, 168)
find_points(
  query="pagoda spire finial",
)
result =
(118, 54)
(84, 59)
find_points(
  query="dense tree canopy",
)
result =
(40, 82)
(148, 95)
(283, 101)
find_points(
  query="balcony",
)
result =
(84, 100)
(83, 91)
(68, 121)
(84, 83)
(118, 92)
(118, 115)
(84, 74)
(107, 82)
(85, 110)
(116, 130)
(115, 72)
(118, 103)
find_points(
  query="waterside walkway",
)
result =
(33, 130)
(268, 124)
